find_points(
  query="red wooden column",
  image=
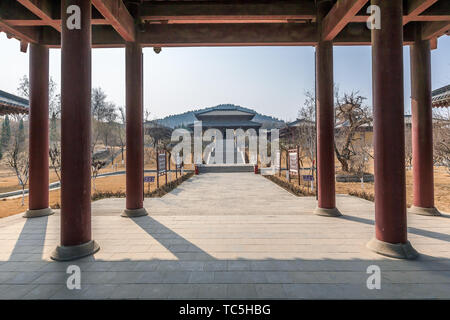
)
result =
(325, 120)
(422, 127)
(134, 132)
(389, 134)
(38, 133)
(76, 238)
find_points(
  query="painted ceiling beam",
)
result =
(339, 16)
(42, 9)
(115, 12)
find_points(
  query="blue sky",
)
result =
(271, 80)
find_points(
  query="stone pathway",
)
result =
(220, 236)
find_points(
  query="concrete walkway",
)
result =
(225, 235)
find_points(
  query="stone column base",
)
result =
(394, 250)
(34, 213)
(424, 211)
(327, 212)
(67, 253)
(132, 213)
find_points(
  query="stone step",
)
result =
(209, 168)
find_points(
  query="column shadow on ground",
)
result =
(147, 223)
(416, 231)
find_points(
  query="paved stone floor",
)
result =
(219, 236)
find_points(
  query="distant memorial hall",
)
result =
(227, 117)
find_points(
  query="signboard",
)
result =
(293, 162)
(308, 177)
(149, 179)
(162, 163)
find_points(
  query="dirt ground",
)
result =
(441, 188)
(103, 184)
(8, 182)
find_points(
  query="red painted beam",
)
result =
(118, 16)
(42, 10)
(227, 12)
(37, 23)
(415, 8)
(339, 16)
(26, 34)
(434, 29)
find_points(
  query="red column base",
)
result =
(327, 212)
(424, 211)
(68, 253)
(393, 250)
(132, 213)
(30, 213)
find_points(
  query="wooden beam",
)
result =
(227, 12)
(118, 16)
(25, 34)
(440, 11)
(339, 16)
(103, 36)
(176, 35)
(42, 9)
(415, 7)
(202, 35)
(434, 29)
(33, 23)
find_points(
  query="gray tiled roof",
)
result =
(226, 107)
(229, 124)
(441, 97)
(12, 104)
(13, 100)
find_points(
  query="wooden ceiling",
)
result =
(162, 23)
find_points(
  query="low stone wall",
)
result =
(294, 189)
(354, 178)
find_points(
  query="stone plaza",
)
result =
(225, 236)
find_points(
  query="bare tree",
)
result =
(121, 134)
(98, 104)
(107, 124)
(23, 89)
(55, 159)
(96, 166)
(306, 131)
(441, 137)
(351, 116)
(360, 161)
(408, 147)
(17, 160)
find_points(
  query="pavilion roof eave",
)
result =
(216, 23)
(6, 109)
